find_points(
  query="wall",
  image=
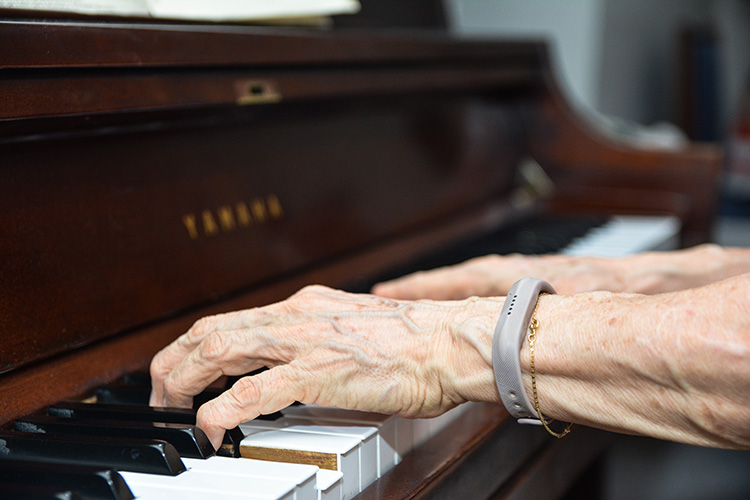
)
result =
(639, 67)
(619, 57)
(572, 27)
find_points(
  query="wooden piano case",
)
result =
(155, 173)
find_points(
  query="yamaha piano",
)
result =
(155, 172)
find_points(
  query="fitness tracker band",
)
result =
(510, 333)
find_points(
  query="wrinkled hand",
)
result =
(331, 348)
(493, 275)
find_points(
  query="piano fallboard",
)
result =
(137, 187)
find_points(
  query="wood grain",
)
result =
(323, 460)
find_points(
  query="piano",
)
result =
(156, 172)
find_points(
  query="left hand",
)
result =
(493, 275)
(331, 348)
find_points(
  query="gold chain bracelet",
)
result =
(533, 326)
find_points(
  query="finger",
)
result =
(267, 392)
(228, 353)
(168, 358)
(163, 363)
(439, 284)
(407, 287)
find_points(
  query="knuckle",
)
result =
(199, 329)
(304, 298)
(311, 290)
(171, 385)
(156, 369)
(246, 389)
(215, 346)
(491, 259)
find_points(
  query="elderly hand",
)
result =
(327, 347)
(648, 273)
(493, 275)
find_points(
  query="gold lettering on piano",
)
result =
(229, 218)
(259, 210)
(190, 224)
(243, 214)
(226, 218)
(274, 207)
(209, 223)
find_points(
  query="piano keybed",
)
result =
(303, 453)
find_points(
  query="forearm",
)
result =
(674, 366)
(670, 365)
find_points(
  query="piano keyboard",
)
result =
(318, 453)
(621, 236)
(311, 454)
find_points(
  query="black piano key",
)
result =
(188, 440)
(95, 483)
(34, 492)
(135, 455)
(137, 378)
(529, 236)
(135, 389)
(125, 394)
(74, 409)
(143, 379)
(232, 437)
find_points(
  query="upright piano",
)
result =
(154, 173)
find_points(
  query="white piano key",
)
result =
(425, 428)
(627, 235)
(388, 454)
(368, 449)
(215, 485)
(329, 485)
(327, 451)
(405, 433)
(368, 436)
(304, 476)
(252, 426)
(151, 492)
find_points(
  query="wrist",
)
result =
(516, 323)
(545, 332)
(468, 375)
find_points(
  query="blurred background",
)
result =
(649, 68)
(658, 71)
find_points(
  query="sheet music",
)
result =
(219, 10)
(112, 7)
(215, 10)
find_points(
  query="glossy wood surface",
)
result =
(154, 174)
(597, 170)
(121, 229)
(111, 44)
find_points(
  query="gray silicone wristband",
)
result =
(510, 333)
